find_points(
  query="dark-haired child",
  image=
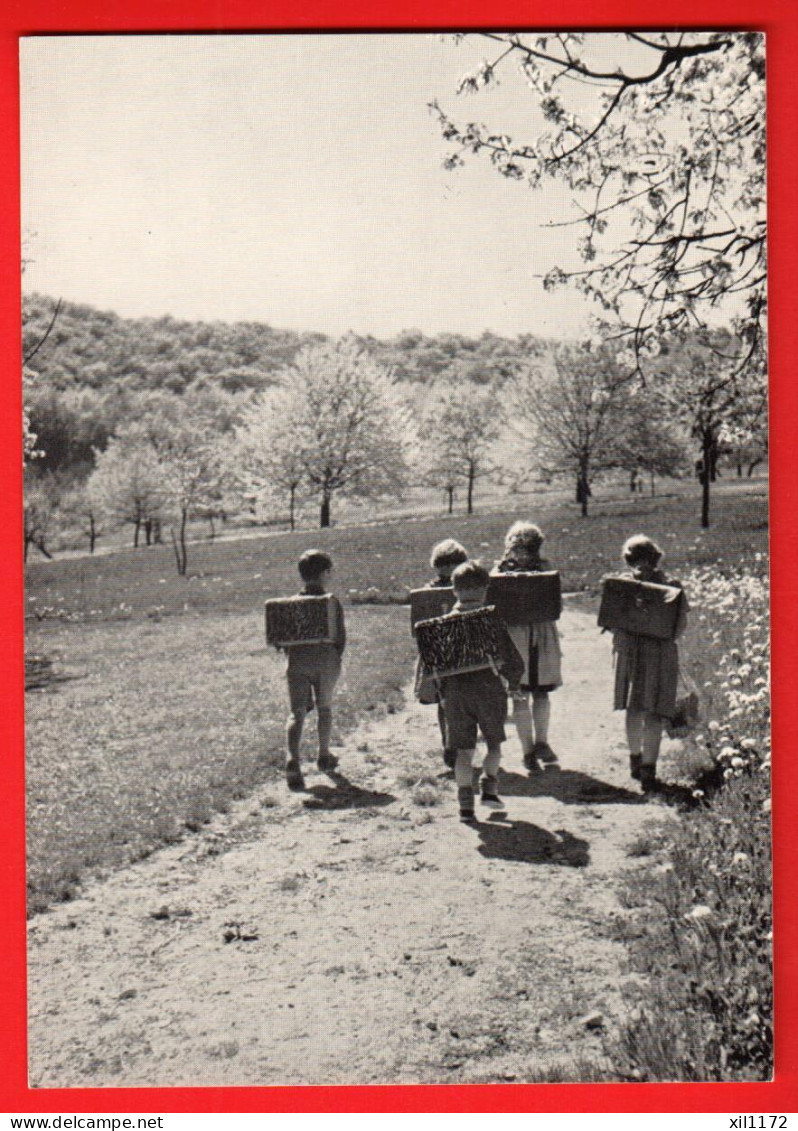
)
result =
(312, 673)
(478, 700)
(539, 647)
(646, 670)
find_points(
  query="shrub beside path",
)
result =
(359, 933)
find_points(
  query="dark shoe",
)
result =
(648, 779)
(294, 779)
(327, 763)
(544, 753)
(532, 765)
(634, 766)
(465, 798)
(449, 758)
(490, 794)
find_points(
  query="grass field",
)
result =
(380, 562)
(144, 730)
(156, 702)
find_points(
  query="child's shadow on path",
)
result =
(569, 786)
(344, 794)
(529, 844)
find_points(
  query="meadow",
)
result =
(154, 702)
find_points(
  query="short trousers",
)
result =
(475, 700)
(312, 675)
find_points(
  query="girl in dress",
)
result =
(539, 646)
(646, 669)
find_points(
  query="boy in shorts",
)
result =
(479, 699)
(312, 673)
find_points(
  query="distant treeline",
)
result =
(97, 370)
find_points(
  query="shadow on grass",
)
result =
(40, 675)
(344, 794)
(529, 844)
(571, 787)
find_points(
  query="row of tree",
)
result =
(336, 422)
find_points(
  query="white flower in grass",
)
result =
(727, 752)
(741, 859)
(714, 725)
(700, 913)
(738, 763)
(766, 805)
(748, 743)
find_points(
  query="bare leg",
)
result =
(293, 734)
(652, 737)
(463, 773)
(522, 717)
(634, 737)
(442, 724)
(325, 730)
(541, 713)
(634, 730)
(492, 761)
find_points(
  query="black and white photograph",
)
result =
(397, 596)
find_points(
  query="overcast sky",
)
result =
(295, 180)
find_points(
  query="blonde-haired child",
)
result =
(646, 669)
(540, 648)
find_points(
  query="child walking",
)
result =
(478, 700)
(312, 673)
(446, 556)
(540, 648)
(646, 670)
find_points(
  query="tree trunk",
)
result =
(92, 533)
(713, 460)
(583, 486)
(212, 534)
(752, 465)
(706, 476)
(739, 468)
(324, 519)
(471, 476)
(157, 536)
(450, 493)
(148, 532)
(136, 528)
(291, 505)
(183, 550)
(41, 546)
(653, 487)
(27, 546)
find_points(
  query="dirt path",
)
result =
(371, 937)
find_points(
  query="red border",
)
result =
(93, 16)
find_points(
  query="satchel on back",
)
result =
(640, 607)
(301, 620)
